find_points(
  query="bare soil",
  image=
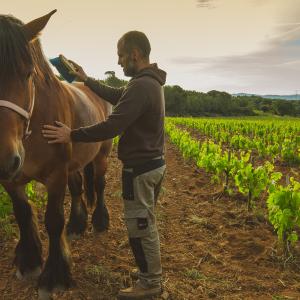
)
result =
(211, 249)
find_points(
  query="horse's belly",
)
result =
(82, 154)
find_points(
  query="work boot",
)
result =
(139, 292)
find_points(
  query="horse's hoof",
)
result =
(44, 294)
(60, 288)
(73, 236)
(75, 230)
(28, 276)
(99, 229)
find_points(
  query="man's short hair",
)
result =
(136, 39)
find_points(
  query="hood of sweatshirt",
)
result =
(154, 72)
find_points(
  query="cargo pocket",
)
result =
(137, 223)
(127, 185)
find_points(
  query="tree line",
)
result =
(180, 102)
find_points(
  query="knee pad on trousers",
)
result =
(139, 254)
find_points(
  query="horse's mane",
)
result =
(15, 51)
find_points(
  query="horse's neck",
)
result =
(50, 97)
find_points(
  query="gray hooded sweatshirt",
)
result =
(138, 117)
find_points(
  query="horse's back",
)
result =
(88, 108)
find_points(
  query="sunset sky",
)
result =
(250, 46)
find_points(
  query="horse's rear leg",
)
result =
(28, 252)
(57, 271)
(100, 218)
(78, 216)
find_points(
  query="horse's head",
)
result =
(17, 93)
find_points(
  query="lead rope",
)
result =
(27, 131)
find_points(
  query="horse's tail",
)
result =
(89, 186)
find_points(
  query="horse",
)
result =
(31, 95)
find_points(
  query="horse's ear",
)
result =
(33, 28)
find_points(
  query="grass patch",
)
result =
(8, 231)
(35, 192)
(160, 216)
(100, 274)
(278, 297)
(194, 274)
(117, 194)
(197, 220)
(5, 203)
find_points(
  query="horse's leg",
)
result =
(89, 185)
(78, 216)
(28, 252)
(100, 218)
(57, 271)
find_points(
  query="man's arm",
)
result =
(108, 93)
(131, 106)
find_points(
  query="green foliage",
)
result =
(7, 229)
(289, 153)
(180, 102)
(222, 162)
(269, 138)
(194, 274)
(252, 181)
(114, 81)
(39, 198)
(284, 212)
(116, 141)
(100, 274)
(5, 203)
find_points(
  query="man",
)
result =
(138, 117)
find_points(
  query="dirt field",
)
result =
(211, 249)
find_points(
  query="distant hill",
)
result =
(284, 97)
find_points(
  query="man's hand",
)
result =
(57, 134)
(79, 73)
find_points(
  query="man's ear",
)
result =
(136, 54)
(33, 28)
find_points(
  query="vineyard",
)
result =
(228, 214)
(246, 157)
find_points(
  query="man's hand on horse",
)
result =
(79, 72)
(60, 133)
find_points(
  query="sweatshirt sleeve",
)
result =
(130, 107)
(108, 93)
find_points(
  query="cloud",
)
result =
(206, 3)
(275, 68)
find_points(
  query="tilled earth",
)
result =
(211, 247)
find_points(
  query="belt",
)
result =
(147, 166)
(158, 157)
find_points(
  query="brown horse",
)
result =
(31, 96)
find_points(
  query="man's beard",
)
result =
(130, 69)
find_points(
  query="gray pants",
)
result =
(140, 193)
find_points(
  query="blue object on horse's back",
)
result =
(62, 69)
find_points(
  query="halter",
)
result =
(22, 112)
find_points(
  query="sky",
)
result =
(249, 46)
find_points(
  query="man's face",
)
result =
(126, 60)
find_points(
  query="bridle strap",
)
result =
(27, 131)
(22, 112)
(15, 108)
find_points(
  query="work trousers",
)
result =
(140, 189)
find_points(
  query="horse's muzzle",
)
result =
(10, 168)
